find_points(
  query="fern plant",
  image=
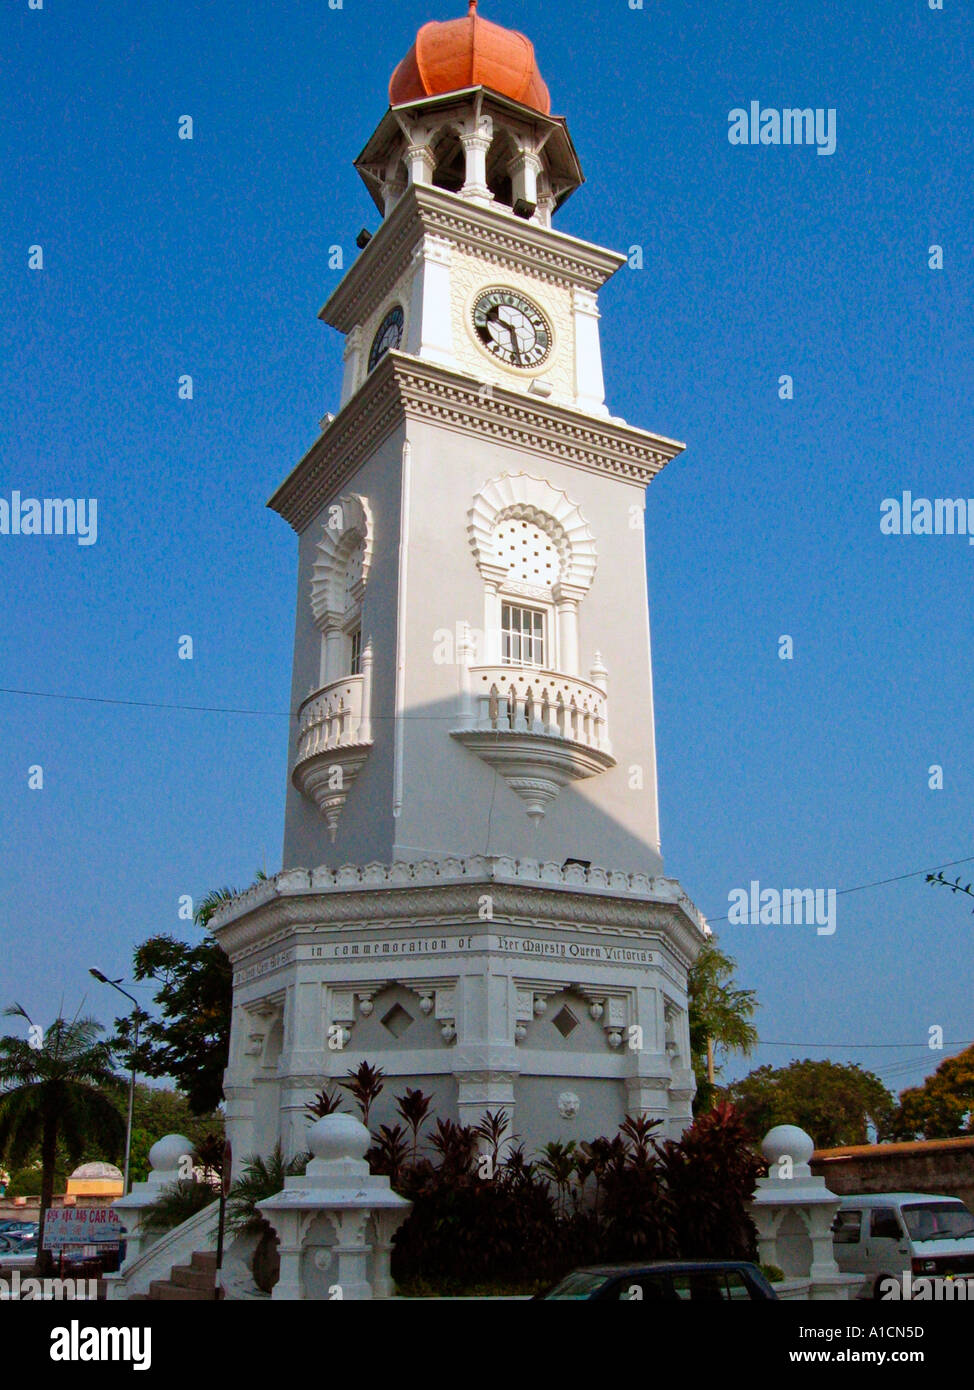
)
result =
(176, 1203)
(261, 1178)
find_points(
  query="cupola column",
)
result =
(420, 164)
(392, 191)
(475, 147)
(524, 170)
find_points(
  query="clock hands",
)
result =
(511, 328)
(514, 324)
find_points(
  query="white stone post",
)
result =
(169, 1158)
(793, 1212)
(351, 1247)
(589, 380)
(599, 676)
(463, 655)
(492, 623)
(334, 643)
(352, 354)
(567, 608)
(365, 724)
(430, 329)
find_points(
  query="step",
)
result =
(204, 1259)
(189, 1278)
(162, 1291)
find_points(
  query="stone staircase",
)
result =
(194, 1282)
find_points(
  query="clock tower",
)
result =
(473, 896)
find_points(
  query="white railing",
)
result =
(333, 717)
(173, 1247)
(532, 701)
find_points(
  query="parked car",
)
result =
(885, 1234)
(17, 1252)
(22, 1230)
(708, 1281)
(18, 1229)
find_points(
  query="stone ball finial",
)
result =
(336, 1137)
(787, 1141)
(165, 1154)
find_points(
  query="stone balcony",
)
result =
(334, 740)
(539, 729)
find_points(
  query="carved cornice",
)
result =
(495, 237)
(409, 388)
(432, 894)
(352, 436)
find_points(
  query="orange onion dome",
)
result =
(469, 52)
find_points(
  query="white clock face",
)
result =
(511, 328)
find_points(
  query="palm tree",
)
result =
(58, 1092)
(261, 1178)
(720, 1016)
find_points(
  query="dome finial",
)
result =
(472, 7)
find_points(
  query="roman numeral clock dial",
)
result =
(511, 328)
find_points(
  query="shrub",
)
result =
(176, 1203)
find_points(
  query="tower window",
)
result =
(355, 652)
(522, 636)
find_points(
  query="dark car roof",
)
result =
(665, 1266)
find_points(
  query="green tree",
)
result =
(56, 1091)
(720, 1012)
(833, 1102)
(943, 1107)
(190, 1042)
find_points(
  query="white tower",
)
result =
(472, 895)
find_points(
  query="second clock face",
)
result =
(388, 336)
(510, 327)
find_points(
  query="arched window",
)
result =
(338, 583)
(537, 558)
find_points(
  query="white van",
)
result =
(883, 1234)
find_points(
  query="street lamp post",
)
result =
(136, 1019)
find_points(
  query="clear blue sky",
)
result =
(211, 257)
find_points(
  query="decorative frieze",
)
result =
(403, 388)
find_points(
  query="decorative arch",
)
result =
(336, 549)
(533, 499)
(500, 156)
(449, 160)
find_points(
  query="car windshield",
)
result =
(938, 1221)
(584, 1283)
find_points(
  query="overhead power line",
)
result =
(864, 1047)
(146, 704)
(879, 882)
